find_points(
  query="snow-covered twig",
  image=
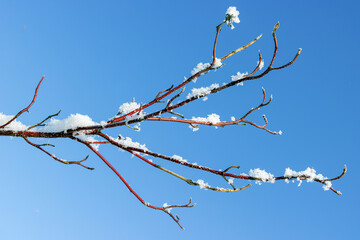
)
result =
(82, 129)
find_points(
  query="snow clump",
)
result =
(261, 174)
(202, 184)
(212, 118)
(238, 76)
(232, 16)
(201, 92)
(71, 122)
(310, 175)
(14, 125)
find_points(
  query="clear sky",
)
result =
(97, 55)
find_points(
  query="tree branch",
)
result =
(86, 133)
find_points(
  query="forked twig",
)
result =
(168, 96)
(27, 108)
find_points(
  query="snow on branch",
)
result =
(202, 91)
(14, 125)
(83, 130)
(73, 121)
(200, 67)
(232, 17)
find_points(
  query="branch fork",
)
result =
(166, 96)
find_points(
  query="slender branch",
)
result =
(241, 48)
(223, 124)
(196, 75)
(277, 25)
(25, 109)
(56, 158)
(215, 90)
(187, 180)
(173, 98)
(257, 66)
(218, 29)
(40, 123)
(166, 90)
(340, 176)
(207, 169)
(129, 187)
(291, 62)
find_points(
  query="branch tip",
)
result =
(276, 27)
(230, 168)
(27, 108)
(241, 48)
(85, 158)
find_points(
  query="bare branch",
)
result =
(56, 158)
(41, 123)
(241, 48)
(27, 108)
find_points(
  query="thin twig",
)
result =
(40, 123)
(27, 108)
(56, 158)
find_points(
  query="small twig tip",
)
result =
(276, 27)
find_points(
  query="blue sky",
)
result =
(97, 56)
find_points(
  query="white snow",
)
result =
(262, 174)
(167, 209)
(327, 186)
(232, 15)
(310, 175)
(238, 76)
(103, 123)
(217, 63)
(14, 125)
(202, 184)
(212, 118)
(72, 122)
(201, 92)
(128, 142)
(231, 180)
(261, 64)
(81, 135)
(194, 129)
(125, 108)
(201, 66)
(179, 158)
